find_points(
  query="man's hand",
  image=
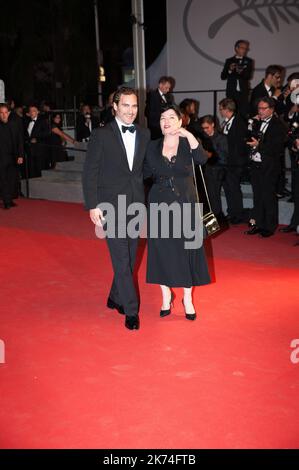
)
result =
(97, 217)
(20, 160)
(232, 67)
(33, 140)
(253, 143)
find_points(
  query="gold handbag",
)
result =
(209, 220)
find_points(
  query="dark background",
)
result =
(48, 48)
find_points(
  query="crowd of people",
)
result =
(249, 145)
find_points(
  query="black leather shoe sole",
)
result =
(132, 323)
(113, 305)
(253, 231)
(266, 233)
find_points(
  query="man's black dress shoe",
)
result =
(132, 322)
(164, 313)
(253, 231)
(288, 229)
(8, 205)
(113, 305)
(266, 233)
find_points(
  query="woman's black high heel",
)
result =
(164, 313)
(189, 316)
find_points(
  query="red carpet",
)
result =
(74, 377)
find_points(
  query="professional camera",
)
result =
(253, 132)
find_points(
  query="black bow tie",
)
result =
(32, 120)
(128, 128)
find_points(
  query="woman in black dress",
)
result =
(169, 163)
(57, 141)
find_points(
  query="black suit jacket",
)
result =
(154, 103)
(236, 138)
(260, 91)
(16, 124)
(40, 130)
(232, 77)
(82, 131)
(106, 171)
(272, 145)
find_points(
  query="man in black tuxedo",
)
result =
(9, 157)
(154, 102)
(237, 71)
(114, 167)
(269, 86)
(234, 127)
(85, 124)
(266, 149)
(36, 134)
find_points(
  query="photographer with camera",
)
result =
(266, 145)
(237, 71)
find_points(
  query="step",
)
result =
(54, 190)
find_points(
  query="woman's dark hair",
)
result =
(171, 106)
(54, 116)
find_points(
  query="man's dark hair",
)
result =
(5, 105)
(124, 90)
(267, 99)
(228, 103)
(164, 79)
(174, 107)
(207, 118)
(273, 69)
(241, 41)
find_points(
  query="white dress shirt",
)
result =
(30, 127)
(268, 88)
(162, 95)
(228, 124)
(129, 139)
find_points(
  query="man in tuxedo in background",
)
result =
(86, 122)
(265, 159)
(9, 157)
(113, 167)
(237, 71)
(36, 134)
(235, 128)
(269, 86)
(154, 102)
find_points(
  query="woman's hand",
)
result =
(181, 132)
